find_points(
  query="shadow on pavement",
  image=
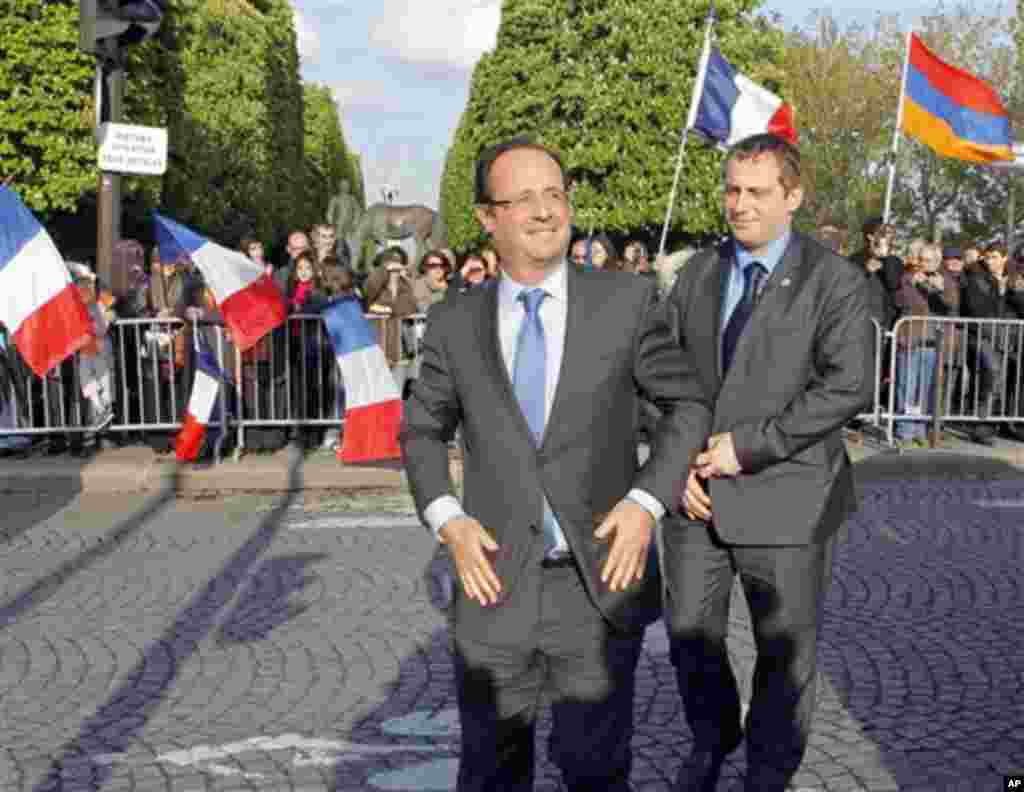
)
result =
(922, 622)
(50, 504)
(25, 509)
(411, 740)
(85, 762)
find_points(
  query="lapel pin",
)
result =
(785, 282)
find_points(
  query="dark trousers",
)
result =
(785, 588)
(566, 650)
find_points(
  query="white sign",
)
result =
(125, 148)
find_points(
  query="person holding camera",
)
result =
(389, 295)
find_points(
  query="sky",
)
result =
(400, 71)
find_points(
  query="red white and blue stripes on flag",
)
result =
(727, 106)
(248, 300)
(952, 112)
(39, 304)
(202, 404)
(373, 405)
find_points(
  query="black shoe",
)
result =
(56, 447)
(981, 437)
(1014, 431)
(701, 770)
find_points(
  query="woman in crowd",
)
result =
(603, 254)
(305, 295)
(389, 296)
(432, 285)
(165, 350)
(916, 342)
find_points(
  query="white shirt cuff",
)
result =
(441, 510)
(648, 501)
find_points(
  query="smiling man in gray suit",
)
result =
(778, 327)
(542, 370)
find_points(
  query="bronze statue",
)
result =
(385, 224)
(342, 216)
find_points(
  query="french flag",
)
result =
(249, 301)
(39, 303)
(728, 106)
(201, 405)
(373, 406)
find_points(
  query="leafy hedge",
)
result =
(221, 75)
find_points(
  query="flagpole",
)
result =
(896, 132)
(691, 117)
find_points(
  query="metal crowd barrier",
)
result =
(874, 418)
(928, 371)
(954, 369)
(290, 379)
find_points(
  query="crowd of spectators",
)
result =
(979, 362)
(140, 373)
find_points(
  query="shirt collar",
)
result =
(555, 284)
(769, 258)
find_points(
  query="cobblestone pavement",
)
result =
(275, 644)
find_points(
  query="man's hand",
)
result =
(720, 458)
(630, 525)
(696, 501)
(873, 264)
(469, 543)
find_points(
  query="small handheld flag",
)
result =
(373, 405)
(201, 405)
(248, 300)
(39, 304)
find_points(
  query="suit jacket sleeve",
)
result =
(840, 386)
(429, 418)
(666, 376)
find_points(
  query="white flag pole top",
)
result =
(691, 117)
(896, 132)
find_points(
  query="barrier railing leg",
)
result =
(938, 400)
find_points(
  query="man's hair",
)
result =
(485, 161)
(393, 253)
(437, 255)
(787, 156)
(875, 225)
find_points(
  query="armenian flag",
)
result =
(952, 112)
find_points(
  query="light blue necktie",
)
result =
(528, 381)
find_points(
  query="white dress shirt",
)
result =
(553, 312)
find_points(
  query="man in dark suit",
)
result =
(778, 327)
(541, 370)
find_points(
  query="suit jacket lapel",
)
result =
(784, 282)
(575, 315)
(494, 358)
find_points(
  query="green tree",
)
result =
(225, 82)
(47, 148)
(608, 84)
(840, 80)
(328, 160)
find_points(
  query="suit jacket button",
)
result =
(534, 529)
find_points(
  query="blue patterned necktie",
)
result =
(529, 381)
(753, 275)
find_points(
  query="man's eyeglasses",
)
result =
(549, 199)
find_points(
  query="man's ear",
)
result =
(794, 198)
(485, 216)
